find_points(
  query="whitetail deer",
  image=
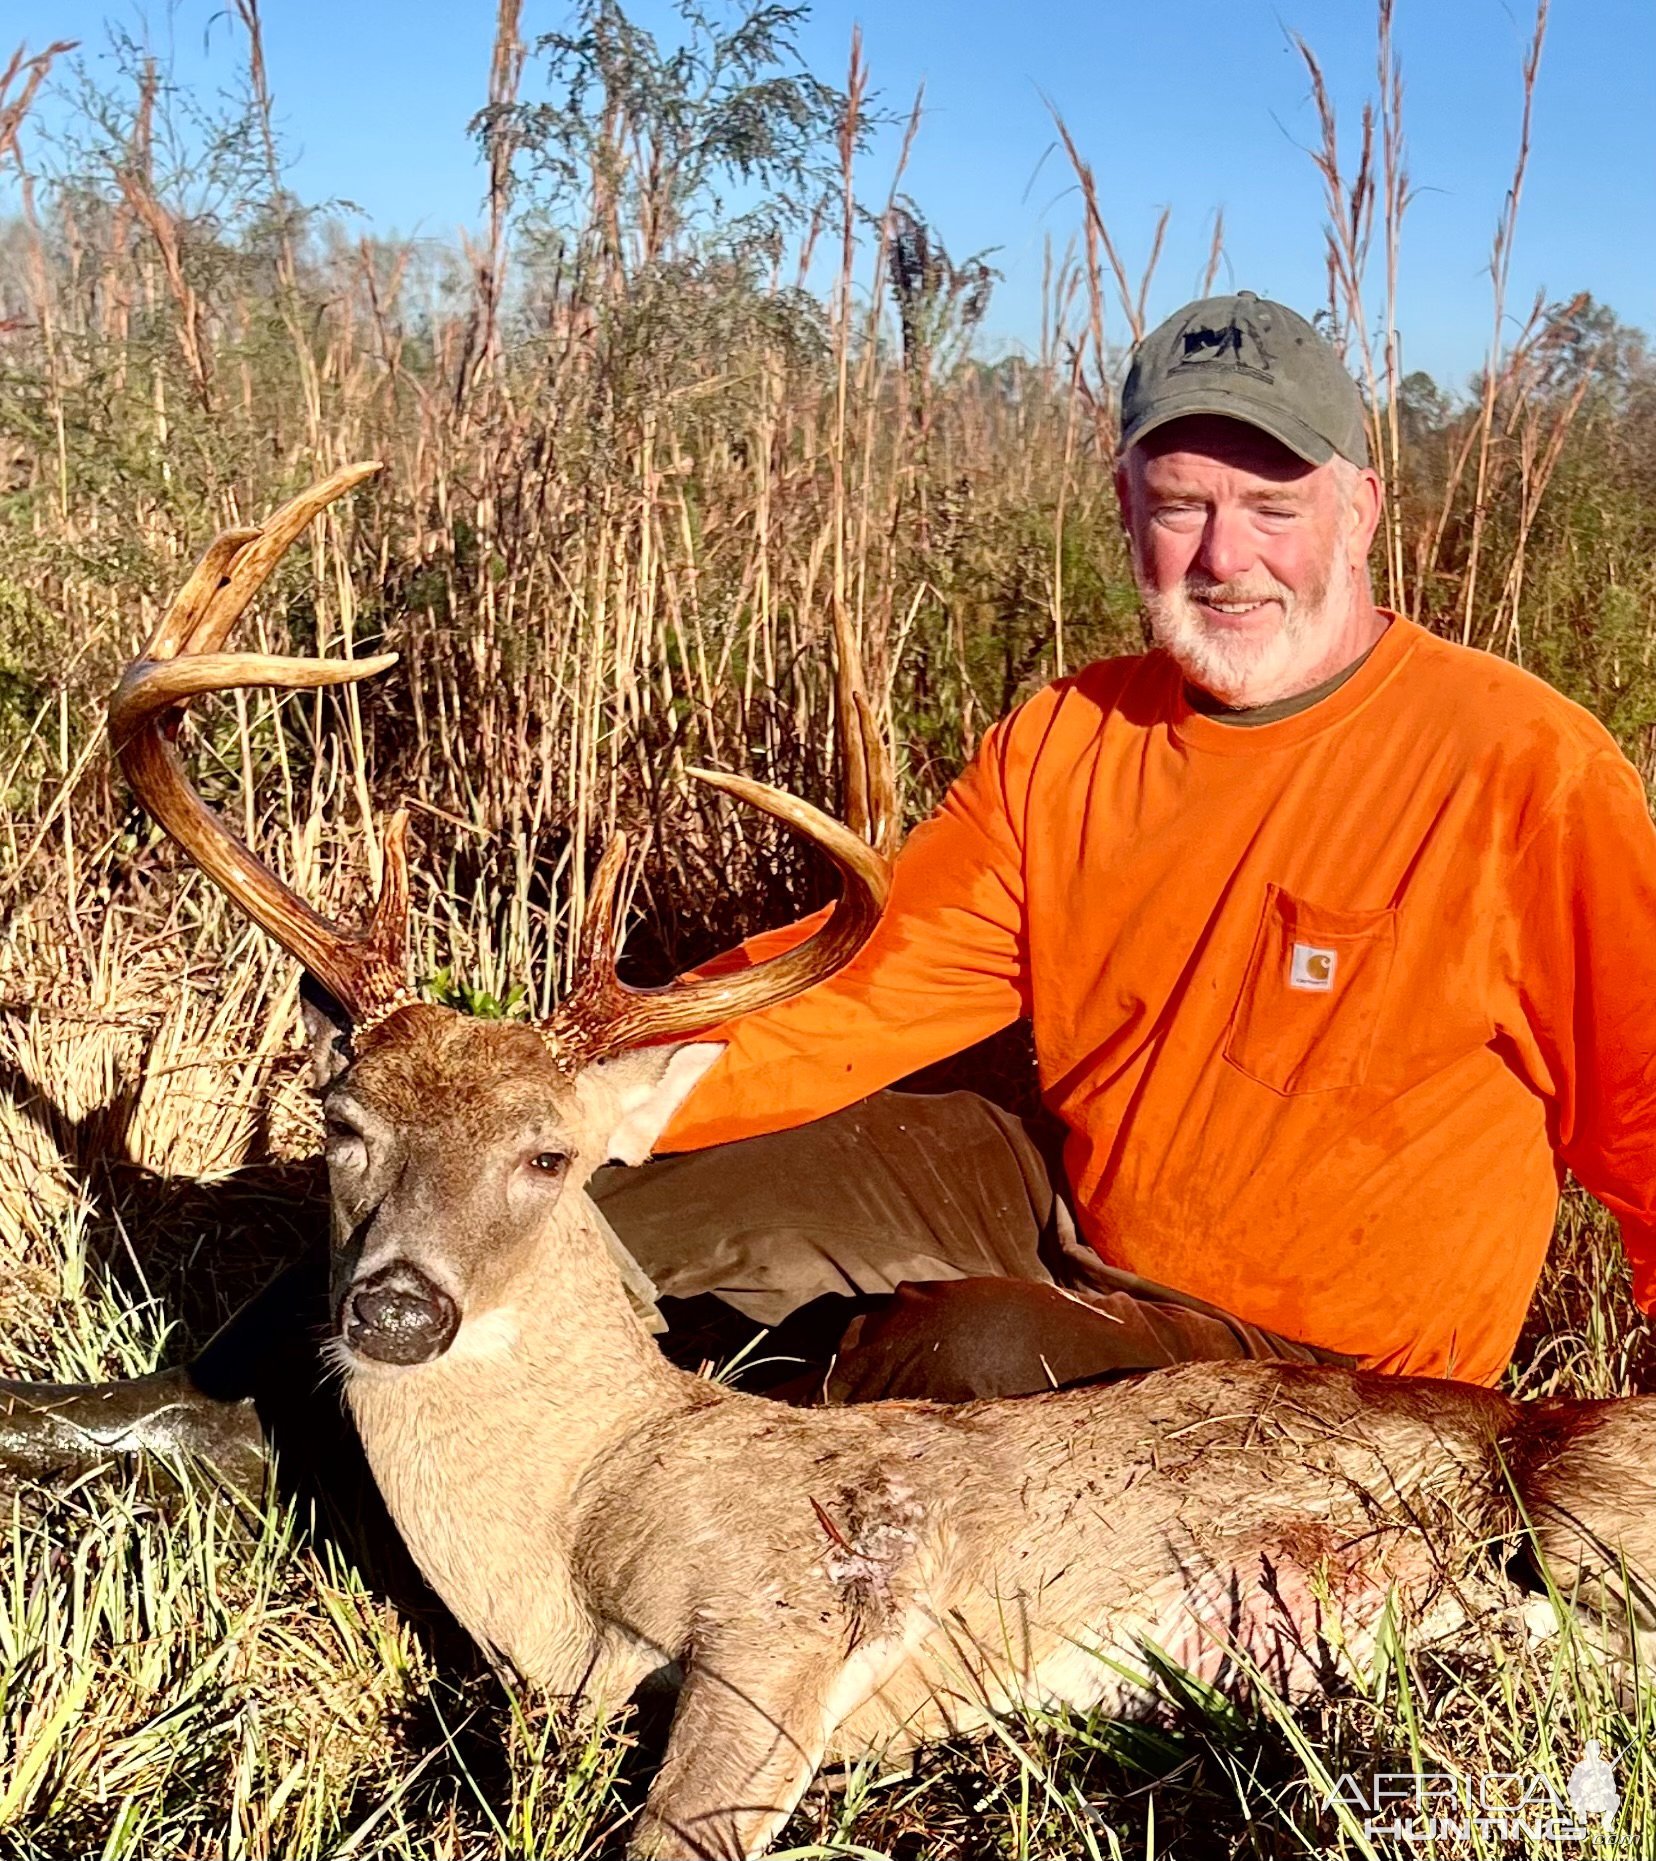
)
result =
(821, 1581)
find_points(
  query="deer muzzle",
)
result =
(396, 1315)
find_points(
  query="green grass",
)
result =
(615, 551)
(185, 1673)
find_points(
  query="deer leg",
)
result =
(48, 1428)
(205, 1410)
(751, 1729)
(1586, 1475)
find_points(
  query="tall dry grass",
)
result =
(637, 473)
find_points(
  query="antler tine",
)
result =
(604, 1015)
(363, 969)
(597, 951)
(883, 823)
(267, 546)
(237, 565)
(179, 622)
(870, 797)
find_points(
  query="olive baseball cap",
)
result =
(1245, 358)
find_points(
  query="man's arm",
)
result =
(945, 968)
(1586, 975)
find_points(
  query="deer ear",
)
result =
(649, 1085)
(327, 1028)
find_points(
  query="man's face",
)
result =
(1249, 561)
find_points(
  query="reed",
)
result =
(641, 466)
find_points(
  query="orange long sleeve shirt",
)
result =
(1325, 1005)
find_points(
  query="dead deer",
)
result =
(816, 1582)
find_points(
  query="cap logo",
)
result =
(1236, 345)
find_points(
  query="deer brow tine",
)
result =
(174, 631)
(880, 778)
(596, 946)
(848, 727)
(276, 535)
(388, 922)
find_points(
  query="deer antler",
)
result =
(869, 786)
(603, 1015)
(364, 969)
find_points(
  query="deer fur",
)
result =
(832, 1582)
(816, 1582)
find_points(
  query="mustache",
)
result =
(1200, 588)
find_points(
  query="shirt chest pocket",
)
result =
(1311, 999)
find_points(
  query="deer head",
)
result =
(457, 1147)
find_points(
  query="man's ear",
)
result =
(1368, 497)
(650, 1084)
(327, 1028)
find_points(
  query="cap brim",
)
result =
(1282, 426)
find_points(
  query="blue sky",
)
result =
(1193, 106)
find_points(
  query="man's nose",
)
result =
(1227, 553)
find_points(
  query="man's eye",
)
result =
(549, 1161)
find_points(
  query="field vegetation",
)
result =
(640, 463)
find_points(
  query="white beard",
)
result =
(1250, 668)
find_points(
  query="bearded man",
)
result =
(1335, 940)
(1336, 944)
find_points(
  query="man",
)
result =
(1335, 940)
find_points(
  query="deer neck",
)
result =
(479, 1453)
(549, 1375)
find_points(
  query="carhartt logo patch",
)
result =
(1312, 968)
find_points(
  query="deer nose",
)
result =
(398, 1316)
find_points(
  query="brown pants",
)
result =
(910, 1246)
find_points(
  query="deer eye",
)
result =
(549, 1162)
(344, 1143)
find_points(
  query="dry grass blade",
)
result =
(33, 73)
(640, 484)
